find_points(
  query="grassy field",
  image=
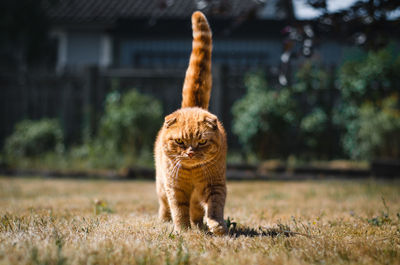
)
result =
(99, 222)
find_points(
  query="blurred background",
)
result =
(85, 84)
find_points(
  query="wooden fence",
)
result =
(77, 99)
(38, 96)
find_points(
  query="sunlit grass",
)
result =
(100, 222)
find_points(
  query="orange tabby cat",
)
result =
(190, 150)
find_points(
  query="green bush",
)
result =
(371, 77)
(33, 138)
(282, 121)
(314, 93)
(130, 122)
(313, 127)
(366, 115)
(263, 119)
(125, 135)
(375, 132)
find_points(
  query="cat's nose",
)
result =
(190, 154)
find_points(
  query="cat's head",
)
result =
(192, 136)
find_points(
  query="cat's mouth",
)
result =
(190, 160)
(193, 158)
(194, 161)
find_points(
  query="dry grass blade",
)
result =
(101, 222)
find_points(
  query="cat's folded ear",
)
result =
(212, 122)
(169, 120)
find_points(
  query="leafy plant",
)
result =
(130, 122)
(369, 111)
(371, 77)
(263, 119)
(315, 96)
(126, 133)
(280, 121)
(376, 131)
(33, 138)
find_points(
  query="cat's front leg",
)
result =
(179, 205)
(215, 202)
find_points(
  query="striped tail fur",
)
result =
(198, 79)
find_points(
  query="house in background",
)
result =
(157, 33)
(146, 45)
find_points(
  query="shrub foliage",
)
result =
(368, 114)
(279, 121)
(124, 138)
(32, 138)
(263, 119)
(130, 121)
(126, 132)
(356, 117)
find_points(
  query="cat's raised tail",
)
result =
(198, 79)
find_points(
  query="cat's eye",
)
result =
(202, 141)
(179, 141)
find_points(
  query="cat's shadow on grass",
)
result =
(237, 231)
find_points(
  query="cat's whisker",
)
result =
(175, 170)
(173, 163)
(175, 174)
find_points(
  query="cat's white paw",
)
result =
(217, 228)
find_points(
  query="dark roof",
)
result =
(109, 11)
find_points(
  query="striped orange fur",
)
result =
(190, 149)
(198, 80)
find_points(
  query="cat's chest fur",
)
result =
(195, 176)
